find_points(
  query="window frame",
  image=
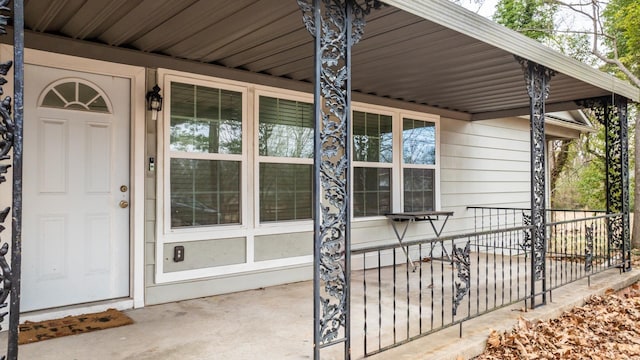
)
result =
(435, 119)
(378, 110)
(165, 154)
(398, 165)
(301, 225)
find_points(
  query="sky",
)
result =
(486, 8)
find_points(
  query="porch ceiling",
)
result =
(405, 54)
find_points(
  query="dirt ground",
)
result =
(606, 327)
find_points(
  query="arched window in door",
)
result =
(75, 94)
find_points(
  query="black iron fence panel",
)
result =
(455, 278)
(459, 277)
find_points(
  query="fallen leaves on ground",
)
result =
(606, 327)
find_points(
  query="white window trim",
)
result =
(248, 228)
(422, 117)
(397, 183)
(275, 226)
(379, 110)
(169, 234)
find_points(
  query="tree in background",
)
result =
(615, 41)
(615, 31)
(533, 18)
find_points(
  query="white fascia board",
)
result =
(466, 22)
(568, 125)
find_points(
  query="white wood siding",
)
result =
(484, 163)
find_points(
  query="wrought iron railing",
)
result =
(492, 218)
(460, 277)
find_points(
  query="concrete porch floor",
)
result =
(276, 323)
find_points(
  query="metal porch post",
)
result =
(612, 113)
(11, 141)
(335, 25)
(537, 81)
(620, 199)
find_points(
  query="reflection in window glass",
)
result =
(372, 144)
(205, 120)
(204, 192)
(419, 189)
(285, 191)
(371, 191)
(285, 128)
(418, 142)
(372, 137)
(285, 131)
(86, 93)
(75, 95)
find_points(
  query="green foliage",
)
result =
(533, 18)
(582, 183)
(622, 21)
(577, 46)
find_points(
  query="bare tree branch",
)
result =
(598, 33)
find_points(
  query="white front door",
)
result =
(75, 188)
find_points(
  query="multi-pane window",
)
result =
(373, 158)
(418, 164)
(285, 150)
(205, 144)
(207, 162)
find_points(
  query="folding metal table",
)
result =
(416, 216)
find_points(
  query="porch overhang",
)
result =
(428, 53)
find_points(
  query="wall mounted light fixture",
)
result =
(154, 102)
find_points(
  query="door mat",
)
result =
(43, 330)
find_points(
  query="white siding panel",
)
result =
(483, 163)
(479, 141)
(472, 187)
(485, 199)
(484, 175)
(474, 152)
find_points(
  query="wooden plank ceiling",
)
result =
(401, 55)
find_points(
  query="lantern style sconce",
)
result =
(154, 102)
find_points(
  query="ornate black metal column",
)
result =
(336, 25)
(537, 80)
(612, 113)
(11, 140)
(619, 193)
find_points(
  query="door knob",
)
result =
(124, 204)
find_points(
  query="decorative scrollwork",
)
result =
(7, 132)
(526, 241)
(308, 15)
(358, 9)
(11, 147)
(462, 261)
(7, 139)
(4, 19)
(335, 26)
(612, 113)
(537, 79)
(588, 249)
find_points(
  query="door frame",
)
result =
(137, 78)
